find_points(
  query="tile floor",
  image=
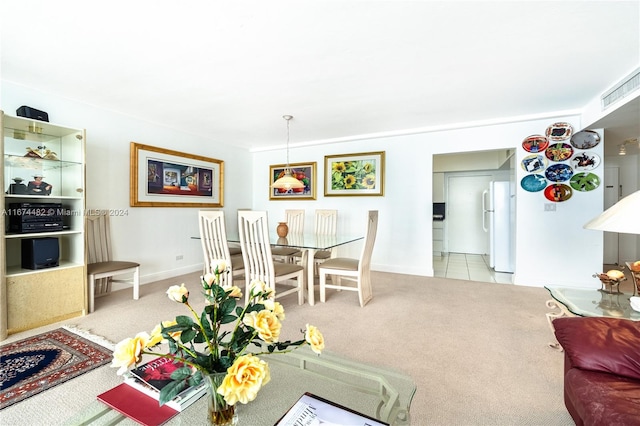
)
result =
(472, 267)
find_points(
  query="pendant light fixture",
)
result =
(287, 181)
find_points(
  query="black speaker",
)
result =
(40, 253)
(28, 112)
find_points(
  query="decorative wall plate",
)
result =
(558, 192)
(559, 131)
(559, 152)
(533, 183)
(534, 163)
(585, 139)
(558, 172)
(535, 143)
(585, 161)
(585, 182)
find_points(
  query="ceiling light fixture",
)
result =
(287, 181)
(622, 150)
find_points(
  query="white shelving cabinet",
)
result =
(33, 297)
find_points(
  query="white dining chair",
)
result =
(326, 223)
(213, 237)
(353, 270)
(101, 267)
(295, 223)
(258, 260)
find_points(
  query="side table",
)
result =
(588, 303)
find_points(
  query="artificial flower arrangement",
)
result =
(205, 346)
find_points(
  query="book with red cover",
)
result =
(136, 405)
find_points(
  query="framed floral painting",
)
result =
(354, 174)
(304, 172)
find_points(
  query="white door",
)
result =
(611, 196)
(464, 214)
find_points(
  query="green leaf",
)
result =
(187, 335)
(184, 320)
(181, 373)
(170, 391)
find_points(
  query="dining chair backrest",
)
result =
(253, 231)
(326, 222)
(213, 237)
(369, 241)
(295, 220)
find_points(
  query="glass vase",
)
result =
(219, 412)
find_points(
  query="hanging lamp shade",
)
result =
(624, 216)
(287, 181)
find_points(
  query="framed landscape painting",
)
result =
(354, 174)
(164, 178)
(304, 172)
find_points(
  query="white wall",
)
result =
(552, 248)
(149, 235)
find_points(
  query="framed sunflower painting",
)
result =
(354, 174)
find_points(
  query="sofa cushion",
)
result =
(608, 345)
(602, 398)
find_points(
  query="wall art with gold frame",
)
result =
(165, 178)
(354, 174)
(304, 172)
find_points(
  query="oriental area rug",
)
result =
(35, 364)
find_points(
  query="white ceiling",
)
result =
(344, 69)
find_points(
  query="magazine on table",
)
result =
(312, 410)
(151, 377)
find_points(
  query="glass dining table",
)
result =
(308, 244)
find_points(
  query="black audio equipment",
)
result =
(28, 112)
(40, 253)
(35, 217)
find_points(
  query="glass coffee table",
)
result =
(371, 390)
(588, 303)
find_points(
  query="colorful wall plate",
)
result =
(558, 192)
(534, 163)
(585, 139)
(535, 143)
(585, 161)
(533, 183)
(559, 151)
(585, 182)
(558, 172)
(559, 131)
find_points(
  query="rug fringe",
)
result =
(102, 341)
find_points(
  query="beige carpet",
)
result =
(477, 351)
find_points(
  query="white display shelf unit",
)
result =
(57, 153)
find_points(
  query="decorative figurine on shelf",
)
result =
(17, 187)
(38, 187)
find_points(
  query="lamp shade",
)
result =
(287, 182)
(623, 216)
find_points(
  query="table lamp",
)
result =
(622, 217)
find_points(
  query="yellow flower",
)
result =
(275, 307)
(349, 181)
(156, 333)
(314, 338)
(258, 286)
(209, 279)
(218, 265)
(369, 181)
(128, 351)
(234, 291)
(178, 294)
(266, 323)
(338, 167)
(244, 379)
(368, 167)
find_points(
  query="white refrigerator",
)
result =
(497, 221)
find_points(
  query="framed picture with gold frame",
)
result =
(165, 178)
(304, 172)
(354, 174)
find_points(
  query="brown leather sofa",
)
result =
(601, 370)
